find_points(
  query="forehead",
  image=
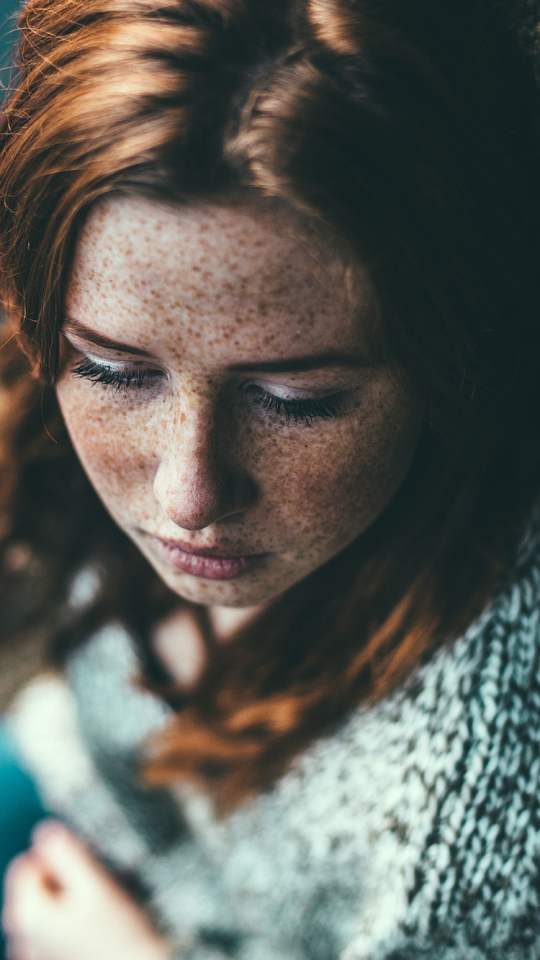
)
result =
(248, 277)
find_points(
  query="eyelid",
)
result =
(117, 365)
(120, 366)
(86, 350)
(295, 393)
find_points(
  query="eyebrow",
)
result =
(99, 339)
(290, 365)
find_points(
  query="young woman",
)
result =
(270, 477)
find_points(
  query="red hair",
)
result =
(407, 137)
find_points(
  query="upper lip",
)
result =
(222, 552)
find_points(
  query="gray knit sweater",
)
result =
(413, 833)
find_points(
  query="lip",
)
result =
(210, 563)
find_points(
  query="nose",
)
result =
(195, 482)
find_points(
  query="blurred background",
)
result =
(19, 803)
(17, 661)
(8, 9)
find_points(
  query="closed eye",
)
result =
(301, 410)
(298, 410)
(120, 379)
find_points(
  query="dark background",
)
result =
(8, 10)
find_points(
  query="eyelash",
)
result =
(306, 410)
(119, 379)
(299, 411)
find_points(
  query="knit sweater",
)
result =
(412, 833)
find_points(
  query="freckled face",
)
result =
(209, 428)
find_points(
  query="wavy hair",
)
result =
(408, 136)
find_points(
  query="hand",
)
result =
(61, 904)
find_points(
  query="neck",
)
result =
(227, 621)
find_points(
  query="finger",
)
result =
(24, 895)
(65, 857)
(14, 884)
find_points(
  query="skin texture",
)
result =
(192, 456)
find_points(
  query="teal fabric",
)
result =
(20, 806)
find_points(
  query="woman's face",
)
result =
(220, 393)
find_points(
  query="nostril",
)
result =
(194, 500)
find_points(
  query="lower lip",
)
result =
(211, 568)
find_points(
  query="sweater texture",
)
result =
(412, 833)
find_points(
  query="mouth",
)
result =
(210, 563)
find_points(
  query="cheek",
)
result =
(110, 449)
(336, 486)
